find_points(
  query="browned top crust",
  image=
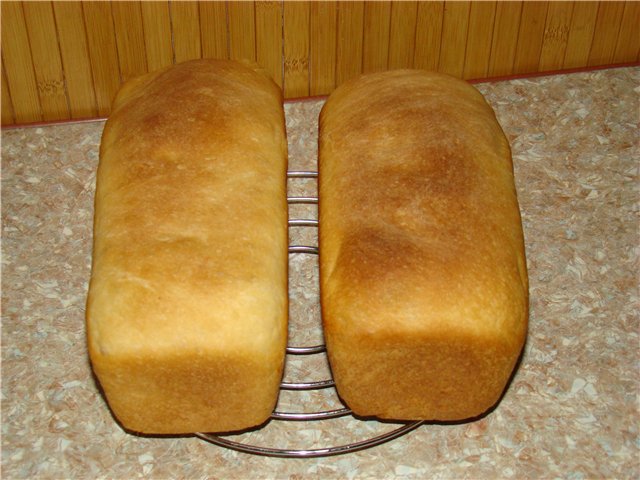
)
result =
(420, 226)
(190, 236)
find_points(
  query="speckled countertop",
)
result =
(572, 410)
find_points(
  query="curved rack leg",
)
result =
(317, 452)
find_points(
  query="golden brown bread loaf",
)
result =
(423, 276)
(187, 306)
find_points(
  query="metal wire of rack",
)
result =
(221, 440)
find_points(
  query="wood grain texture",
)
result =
(269, 44)
(41, 27)
(103, 53)
(242, 30)
(127, 21)
(605, 33)
(322, 47)
(156, 24)
(8, 116)
(16, 58)
(428, 35)
(530, 37)
(478, 52)
(583, 22)
(376, 39)
(185, 18)
(455, 26)
(556, 36)
(402, 39)
(628, 43)
(296, 49)
(68, 59)
(75, 58)
(349, 40)
(213, 30)
(505, 38)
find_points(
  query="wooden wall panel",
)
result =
(323, 23)
(478, 52)
(349, 40)
(555, 36)
(428, 35)
(127, 20)
(296, 49)
(16, 58)
(376, 27)
(8, 116)
(213, 30)
(628, 43)
(185, 18)
(67, 59)
(156, 26)
(605, 33)
(530, 37)
(505, 38)
(242, 30)
(41, 27)
(75, 58)
(269, 42)
(103, 52)
(583, 22)
(402, 39)
(455, 26)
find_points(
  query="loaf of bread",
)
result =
(187, 306)
(423, 276)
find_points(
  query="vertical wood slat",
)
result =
(428, 35)
(242, 30)
(476, 61)
(269, 45)
(41, 28)
(376, 39)
(103, 53)
(349, 40)
(454, 38)
(322, 47)
(628, 43)
(583, 21)
(16, 57)
(605, 33)
(8, 116)
(530, 37)
(127, 20)
(404, 16)
(156, 25)
(75, 59)
(296, 49)
(213, 30)
(556, 36)
(185, 19)
(505, 38)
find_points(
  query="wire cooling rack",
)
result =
(245, 443)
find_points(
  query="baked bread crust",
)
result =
(423, 275)
(187, 306)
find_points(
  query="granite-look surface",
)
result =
(571, 411)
